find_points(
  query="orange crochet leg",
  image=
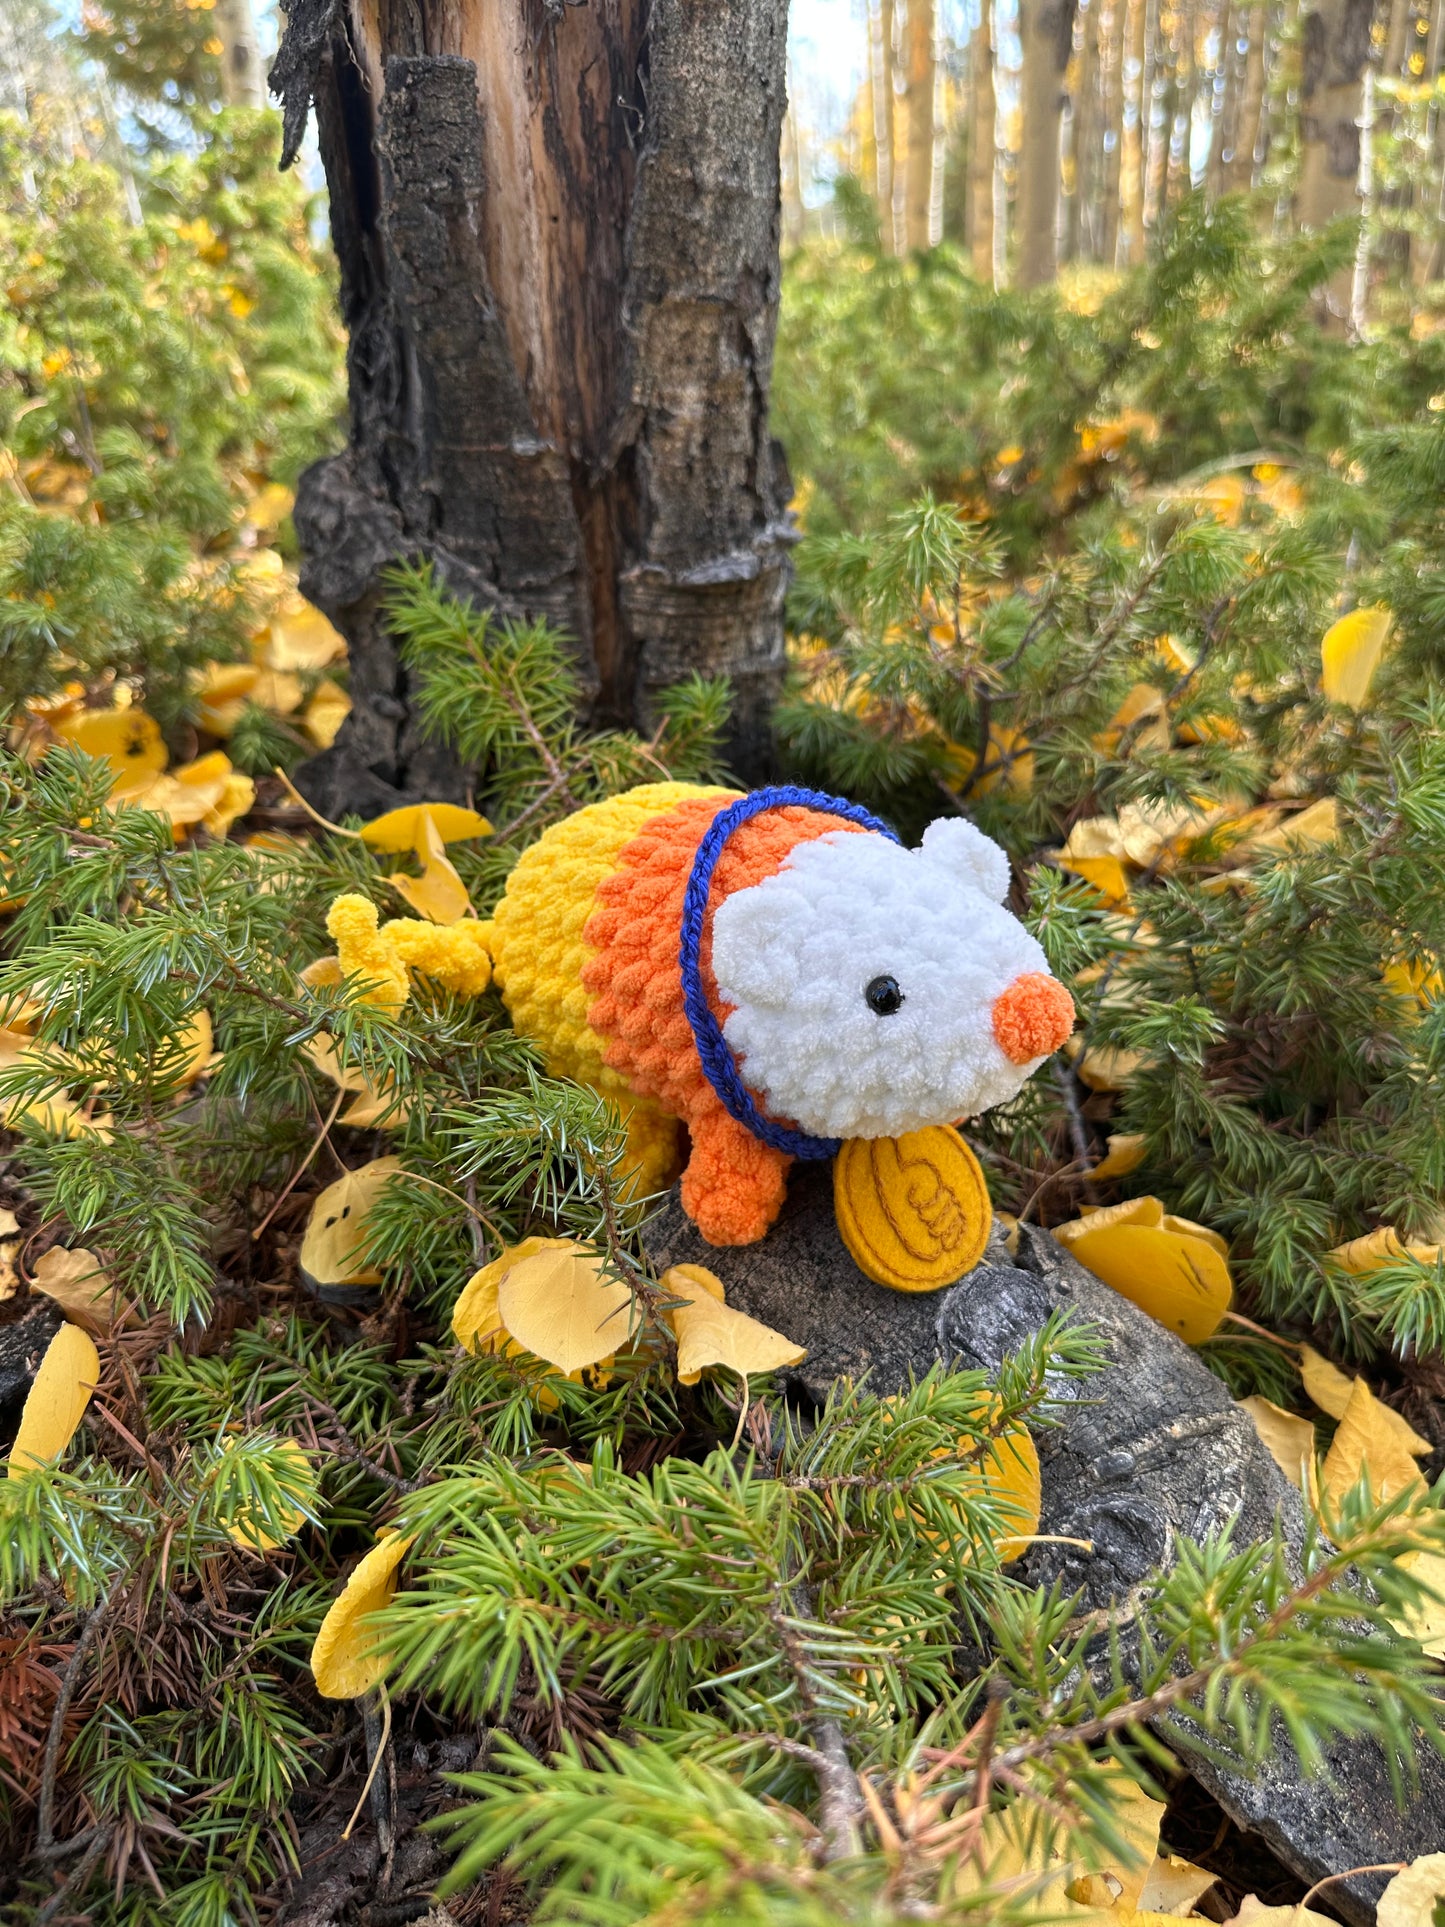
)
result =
(733, 1186)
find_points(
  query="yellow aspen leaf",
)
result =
(278, 691)
(1095, 836)
(476, 1316)
(1175, 1270)
(128, 739)
(79, 1284)
(1427, 1623)
(1172, 1886)
(1288, 1438)
(1158, 833)
(1417, 980)
(1254, 1913)
(1224, 497)
(562, 1307)
(1103, 1067)
(1350, 652)
(268, 509)
(238, 795)
(1368, 1445)
(711, 1333)
(336, 1228)
(1106, 873)
(347, 1658)
(1331, 1390)
(300, 637)
(1379, 1248)
(57, 1400)
(438, 894)
(398, 829)
(1413, 1897)
(247, 1527)
(1142, 714)
(1127, 1151)
(1009, 1474)
(1305, 830)
(327, 710)
(377, 1107)
(218, 683)
(1008, 762)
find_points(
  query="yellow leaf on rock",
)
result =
(1427, 1624)
(560, 1305)
(1173, 1269)
(710, 1332)
(57, 1400)
(1254, 1913)
(300, 637)
(398, 829)
(1009, 1474)
(1288, 1438)
(336, 1229)
(1367, 1444)
(1350, 652)
(128, 739)
(1413, 1897)
(327, 710)
(475, 1316)
(1127, 1151)
(347, 1658)
(78, 1284)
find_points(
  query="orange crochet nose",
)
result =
(1032, 1017)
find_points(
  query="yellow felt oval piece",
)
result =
(57, 1400)
(398, 829)
(347, 1659)
(128, 739)
(247, 1528)
(336, 1229)
(476, 1316)
(1288, 1438)
(711, 1333)
(913, 1211)
(1350, 652)
(560, 1306)
(1177, 1278)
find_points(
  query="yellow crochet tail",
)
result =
(455, 955)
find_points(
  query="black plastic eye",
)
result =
(883, 996)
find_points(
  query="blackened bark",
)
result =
(558, 235)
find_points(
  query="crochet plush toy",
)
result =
(776, 971)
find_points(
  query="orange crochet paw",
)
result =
(734, 1185)
(1032, 1017)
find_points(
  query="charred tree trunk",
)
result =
(558, 230)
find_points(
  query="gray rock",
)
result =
(1149, 1449)
(22, 1346)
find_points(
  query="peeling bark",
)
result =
(558, 233)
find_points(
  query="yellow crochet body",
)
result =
(538, 954)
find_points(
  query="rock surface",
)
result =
(1151, 1448)
(22, 1346)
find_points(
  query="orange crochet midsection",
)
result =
(634, 975)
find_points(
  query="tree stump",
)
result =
(1151, 1448)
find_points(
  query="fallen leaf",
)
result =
(57, 1400)
(1288, 1438)
(347, 1658)
(1379, 1248)
(1412, 1899)
(1368, 1445)
(1254, 1913)
(327, 710)
(1172, 1886)
(246, 1527)
(560, 1305)
(128, 739)
(269, 507)
(1320, 823)
(1427, 1623)
(1009, 1474)
(438, 894)
(336, 1228)
(300, 637)
(1350, 652)
(1106, 873)
(475, 1316)
(238, 794)
(1170, 1267)
(1127, 1151)
(9, 1251)
(1331, 1390)
(219, 683)
(398, 829)
(79, 1284)
(1104, 1067)
(711, 1333)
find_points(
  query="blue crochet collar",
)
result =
(719, 1065)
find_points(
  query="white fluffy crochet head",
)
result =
(869, 983)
